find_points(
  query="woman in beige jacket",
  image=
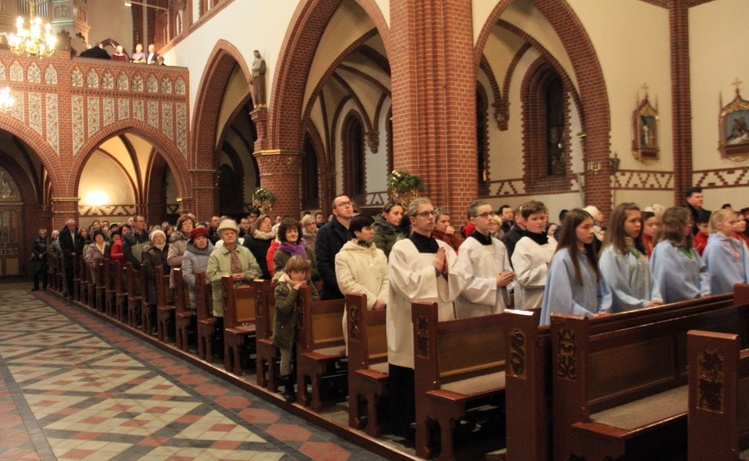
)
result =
(361, 267)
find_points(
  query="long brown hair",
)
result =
(615, 234)
(673, 224)
(568, 239)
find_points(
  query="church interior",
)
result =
(570, 102)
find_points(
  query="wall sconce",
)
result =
(614, 163)
(594, 167)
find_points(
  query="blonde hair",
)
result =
(718, 217)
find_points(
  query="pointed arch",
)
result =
(286, 102)
(49, 158)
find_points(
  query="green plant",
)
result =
(402, 181)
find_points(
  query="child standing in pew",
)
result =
(678, 269)
(725, 257)
(296, 273)
(574, 284)
(624, 264)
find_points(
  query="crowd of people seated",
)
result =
(583, 265)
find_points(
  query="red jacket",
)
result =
(115, 253)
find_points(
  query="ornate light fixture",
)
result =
(37, 40)
(6, 100)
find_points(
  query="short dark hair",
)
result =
(285, 225)
(703, 217)
(562, 214)
(358, 223)
(693, 190)
(502, 208)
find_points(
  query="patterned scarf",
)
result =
(236, 264)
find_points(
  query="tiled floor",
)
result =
(73, 387)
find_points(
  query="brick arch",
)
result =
(592, 89)
(47, 156)
(286, 103)
(25, 187)
(165, 147)
(211, 91)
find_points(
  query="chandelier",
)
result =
(37, 40)
(6, 100)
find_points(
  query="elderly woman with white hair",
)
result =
(155, 255)
(309, 231)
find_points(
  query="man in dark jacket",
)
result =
(134, 243)
(330, 239)
(70, 241)
(515, 233)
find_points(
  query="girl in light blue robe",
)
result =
(574, 284)
(726, 258)
(624, 262)
(679, 272)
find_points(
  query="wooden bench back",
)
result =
(203, 297)
(718, 396)
(164, 294)
(319, 323)
(181, 293)
(239, 303)
(455, 349)
(134, 282)
(367, 338)
(265, 311)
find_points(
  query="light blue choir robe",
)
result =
(564, 295)
(727, 263)
(677, 276)
(630, 279)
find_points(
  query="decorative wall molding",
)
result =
(724, 177)
(643, 179)
(107, 210)
(53, 129)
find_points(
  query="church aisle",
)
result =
(74, 387)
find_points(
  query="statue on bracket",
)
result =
(734, 127)
(645, 129)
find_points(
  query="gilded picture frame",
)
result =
(734, 129)
(645, 134)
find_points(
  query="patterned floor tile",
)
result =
(73, 387)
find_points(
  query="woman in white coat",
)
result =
(361, 267)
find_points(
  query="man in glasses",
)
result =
(330, 239)
(486, 264)
(421, 268)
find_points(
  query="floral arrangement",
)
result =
(403, 187)
(263, 199)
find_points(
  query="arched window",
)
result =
(545, 130)
(353, 156)
(310, 185)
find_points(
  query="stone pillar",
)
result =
(280, 171)
(260, 117)
(71, 17)
(434, 99)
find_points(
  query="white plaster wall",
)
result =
(631, 40)
(718, 48)
(247, 25)
(102, 175)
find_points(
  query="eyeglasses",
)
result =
(426, 214)
(344, 204)
(488, 214)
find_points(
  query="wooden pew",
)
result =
(91, 280)
(110, 290)
(718, 396)
(134, 288)
(164, 306)
(121, 293)
(457, 363)
(319, 344)
(368, 366)
(52, 272)
(184, 316)
(102, 271)
(239, 322)
(78, 273)
(622, 393)
(204, 312)
(266, 354)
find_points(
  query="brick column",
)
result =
(260, 117)
(280, 171)
(681, 96)
(434, 98)
(204, 196)
(64, 208)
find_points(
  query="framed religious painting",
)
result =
(645, 131)
(734, 128)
